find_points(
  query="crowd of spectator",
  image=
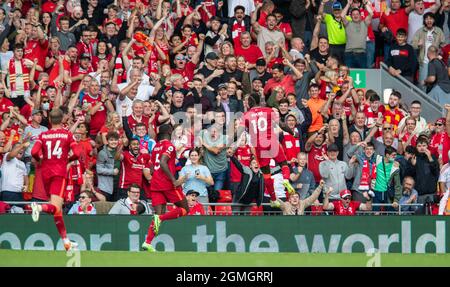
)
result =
(119, 69)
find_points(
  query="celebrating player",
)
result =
(52, 150)
(260, 123)
(164, 187)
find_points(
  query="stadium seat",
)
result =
(103, 207)
(256, 210)
(223, 210)
(225, 196)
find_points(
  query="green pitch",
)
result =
(213, 259)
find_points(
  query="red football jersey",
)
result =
(315, 157)
(131, 169)
(258, 122)
(99, 118)
(244, 155)
(339, 208)
(160, 181)
(197, 209)
(54, 145)
(132, 121)
(291, 145)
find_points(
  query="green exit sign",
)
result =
(359, 78)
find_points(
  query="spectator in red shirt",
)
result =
(5, 103)
(279, 79)
(36, 48)
(250, 51)
(345, 206)
(195, 207)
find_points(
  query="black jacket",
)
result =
(243, 194)
(426, 174)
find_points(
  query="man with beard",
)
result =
(393, 114)
(238, 24)
(268, 33)
(231, 71)
(133, 167)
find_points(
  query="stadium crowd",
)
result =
(120, 69)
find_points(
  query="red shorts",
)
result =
(55, 185)
(162, 197)
(264, 155)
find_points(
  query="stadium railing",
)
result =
(250, 210)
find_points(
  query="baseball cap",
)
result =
(260, 62)
(344, 193)
(85, 56)
(440, 121)
(333, 147)
(222, 86)
(192, 192)
(34, 112)
(337, 6)
(211, 56)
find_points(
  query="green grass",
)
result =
(213, 259)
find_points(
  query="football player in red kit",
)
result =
(260, 122)
(164, 187)
(52, 148)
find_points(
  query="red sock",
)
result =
(268, 182)
(150, 234)
(173, 214)
(285, 171)
(60, 224)
(49, 208)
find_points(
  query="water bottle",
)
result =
(440, 150)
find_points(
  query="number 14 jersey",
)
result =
(55, 145)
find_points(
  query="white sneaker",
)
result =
(34, 211)
(70, 246)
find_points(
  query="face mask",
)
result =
(46, 106)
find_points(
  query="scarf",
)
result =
(119, 65)
(393, 116)
(19, 78)
(88, 209)
(367, 176)
(236, 30)
(69, 195)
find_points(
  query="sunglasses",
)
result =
(387, 129)
(439, 124)
(83, 197)
(347, 198)
(179, 58)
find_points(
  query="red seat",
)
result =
(256, 210)
(223, 210)
(225, 196)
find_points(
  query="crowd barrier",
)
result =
(226, 209)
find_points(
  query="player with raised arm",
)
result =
(164, 187)
(52, 149)
(261, 122)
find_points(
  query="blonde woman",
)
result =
(226, 49)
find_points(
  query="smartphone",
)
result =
(197, 172)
